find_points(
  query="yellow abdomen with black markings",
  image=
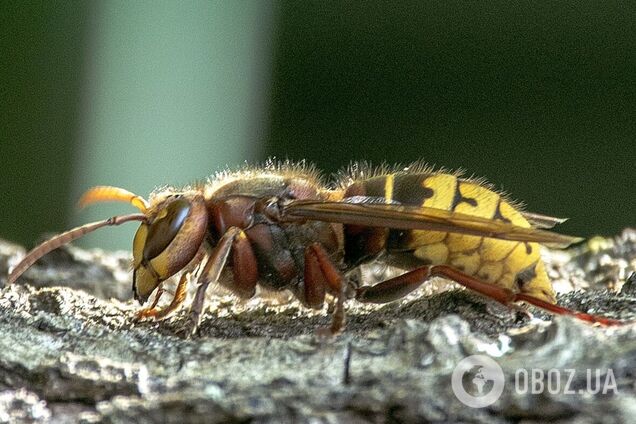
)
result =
(511, 264)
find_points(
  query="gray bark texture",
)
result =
(71, 350)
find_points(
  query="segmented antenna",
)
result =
(67, 237)
(114, 194)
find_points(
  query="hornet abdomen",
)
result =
(510, 264)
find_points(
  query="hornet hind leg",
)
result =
(398, 287)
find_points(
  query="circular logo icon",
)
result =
(478, 381)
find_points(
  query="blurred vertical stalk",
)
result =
(174, 91)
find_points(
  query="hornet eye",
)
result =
(164, 229)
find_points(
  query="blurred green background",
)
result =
(540, 98)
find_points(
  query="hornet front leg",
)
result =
(244, 268)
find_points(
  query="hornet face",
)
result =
(170, 238)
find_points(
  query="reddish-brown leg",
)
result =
(332, 276)
(400, 286)
(151, 311)
(178, 298)
(313, 289)
(244, 267)
(245, 271)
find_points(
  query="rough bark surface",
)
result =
(71, 350)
